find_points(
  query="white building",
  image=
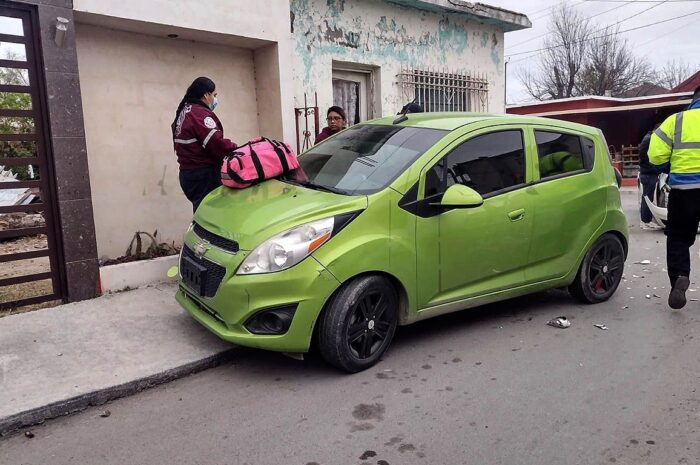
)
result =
(107, 76)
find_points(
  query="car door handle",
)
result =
(516, 215)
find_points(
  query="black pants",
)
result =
(197, 183)
(682, 227)
(648, 182)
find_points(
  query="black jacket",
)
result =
(644, 166)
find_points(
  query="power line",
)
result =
(684, 25)
(549, 12)
(607, 35)
(641, 1)
(590, 17)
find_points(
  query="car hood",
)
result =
(252, 215)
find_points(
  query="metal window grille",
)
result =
(445, 90)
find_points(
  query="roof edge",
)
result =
(596, 97)
(506, 20)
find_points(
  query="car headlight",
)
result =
(288, 248)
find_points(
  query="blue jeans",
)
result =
(648, 185)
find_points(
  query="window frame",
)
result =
(564, 131)
(527, 165)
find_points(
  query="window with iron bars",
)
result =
(443, 90)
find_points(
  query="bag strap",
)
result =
(283, 159)
(258, 166)
(233, 175)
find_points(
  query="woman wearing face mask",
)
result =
(199, 141)
(336, 123)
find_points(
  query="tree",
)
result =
(611, 66)
(583, 58)
(674, 72)
(16, 124)
(561, 62)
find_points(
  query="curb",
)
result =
(39, 415)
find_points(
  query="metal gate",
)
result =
(31, 269)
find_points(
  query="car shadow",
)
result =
(538, 307)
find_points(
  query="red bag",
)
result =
(257, 161)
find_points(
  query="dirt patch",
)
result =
(24, 268)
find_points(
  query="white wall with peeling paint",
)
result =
(388, 36)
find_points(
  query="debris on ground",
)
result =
(28, 434)
(643, 262)
(105, 414)
(559, 322)
(135, 250)
(601, 326)
(648, 296)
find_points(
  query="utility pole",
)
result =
(505, 84)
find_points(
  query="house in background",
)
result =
(372, 57)
(624, 121)
(103, 79)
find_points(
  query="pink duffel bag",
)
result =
(256, 161)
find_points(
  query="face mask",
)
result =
(214, 104)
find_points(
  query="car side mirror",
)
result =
(461, 196)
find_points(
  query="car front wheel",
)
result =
(600, 272)
(359, 323)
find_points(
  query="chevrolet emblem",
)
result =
(200, 248)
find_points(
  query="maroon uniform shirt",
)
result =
(198, 137)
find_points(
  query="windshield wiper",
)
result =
(321, 187)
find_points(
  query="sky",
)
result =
(676, 39)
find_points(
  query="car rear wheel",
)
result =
(358, 323)
(600, 272)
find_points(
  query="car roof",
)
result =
(452, 120)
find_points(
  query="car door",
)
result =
(569, 200)
(468, 252)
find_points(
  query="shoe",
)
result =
(676, 299)
(650, 226)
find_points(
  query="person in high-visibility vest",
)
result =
(675, 146)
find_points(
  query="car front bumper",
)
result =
(306, 285)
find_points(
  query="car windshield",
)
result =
(363, 159)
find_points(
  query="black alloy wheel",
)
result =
(369, 325)
(601, 271)
(358, 324)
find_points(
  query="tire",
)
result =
(600, 272)
(369, 307)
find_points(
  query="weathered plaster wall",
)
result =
(131, 84)
(259, 19)
(377, 33)
(240, 23)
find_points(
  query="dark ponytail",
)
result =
(200, 86)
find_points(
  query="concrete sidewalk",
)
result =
(60, 360)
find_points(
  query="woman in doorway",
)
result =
(336, 123)
(199, 141)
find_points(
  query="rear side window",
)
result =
(486, 163)
(561, 154)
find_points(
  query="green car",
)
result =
(394, 221)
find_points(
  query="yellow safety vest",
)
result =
(677, 141)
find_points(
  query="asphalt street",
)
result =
(493, 385)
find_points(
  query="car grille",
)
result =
(215, 273)
(216, 241)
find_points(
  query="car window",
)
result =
(364, 158)
(560, 153)
(487, 163)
